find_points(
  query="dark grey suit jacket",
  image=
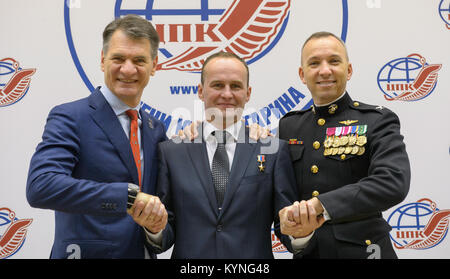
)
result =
(253, 198)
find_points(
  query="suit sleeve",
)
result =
(285, 189)
(50, 184)
(163, 191)
(388, 179)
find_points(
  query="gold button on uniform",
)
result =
(356, 104)
(315, 193)
(314, 169)
(343, 157)
(368, 242)
(321, 121)
(316, 145)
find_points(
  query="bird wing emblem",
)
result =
(433, 232)
(14, 236)
(426, 80)
(16, 86)
(245, 34)
(422, 85)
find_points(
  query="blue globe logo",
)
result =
(6, 72)
(444, 12)
(409, 221)
(397, 76)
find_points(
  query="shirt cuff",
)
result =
(326, 216)
(298, 244)
(154, 239)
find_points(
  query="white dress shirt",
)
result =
(211, 141)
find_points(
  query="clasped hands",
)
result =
(301, 218)
(148, 211)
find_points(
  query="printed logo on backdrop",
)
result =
(418, 225)
(12, 232)
(247, 28)
(14, 81)
(408, 78)
(198, 28)
(277, 246)
(444, 12)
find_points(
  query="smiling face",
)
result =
(325, 69)
(128, 66)
(224, 90)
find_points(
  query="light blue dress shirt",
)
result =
(120, 109)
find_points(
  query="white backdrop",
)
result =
(388, 43)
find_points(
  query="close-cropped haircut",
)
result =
(223, 54)
(135, 27)
(324, 34)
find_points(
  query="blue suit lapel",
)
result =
(199, 159)
(149, 144)
(242, 159)
(106, 119)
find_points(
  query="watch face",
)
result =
(133, 187)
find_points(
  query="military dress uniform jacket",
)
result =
(351, 156)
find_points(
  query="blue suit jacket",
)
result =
(81, 169)
(242, 229)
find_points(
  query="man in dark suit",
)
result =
(223, 191)
(97, 159)
(349, 159)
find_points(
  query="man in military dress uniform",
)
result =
(349, 158)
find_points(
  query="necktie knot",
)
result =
(221, 136)
(132, 114)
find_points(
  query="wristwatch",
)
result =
(133, 190)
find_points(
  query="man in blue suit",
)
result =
(223, 191)
(86, 168)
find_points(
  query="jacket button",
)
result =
(314, 169)
(321, 121)
(219, 227)
(315, 194)
(316, 145)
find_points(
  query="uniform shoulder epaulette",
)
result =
(366, 107)
(296, 112)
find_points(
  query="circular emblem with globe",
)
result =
(13, 232)
(418, 225)
(444, 12)
(190, 31)
(401, 71)
(14, 81)
(247, 28)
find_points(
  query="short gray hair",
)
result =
(134, 27)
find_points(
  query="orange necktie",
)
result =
(132, 114)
